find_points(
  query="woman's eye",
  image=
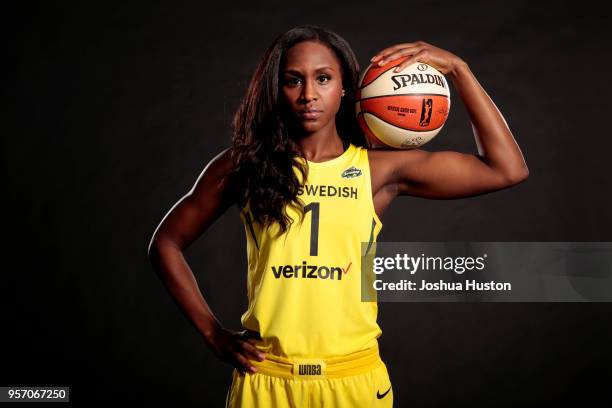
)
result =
(292, 81)
(323, 79)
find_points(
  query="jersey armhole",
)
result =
(369, 189)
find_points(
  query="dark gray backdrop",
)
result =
(120, 106)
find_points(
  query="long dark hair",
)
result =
(261, 146)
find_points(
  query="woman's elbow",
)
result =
(157, 246)
(517, 176)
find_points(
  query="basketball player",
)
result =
(310, 191)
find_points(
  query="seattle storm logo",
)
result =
(351, 172)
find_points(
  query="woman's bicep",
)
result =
(212, 194)
(445, 175)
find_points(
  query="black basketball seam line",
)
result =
(379, 75)
(391, 124)
(412, 94)
(368, 126)
(382, 73)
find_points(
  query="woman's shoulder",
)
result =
(223, 163)
(219, 174)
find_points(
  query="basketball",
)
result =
(402, 110)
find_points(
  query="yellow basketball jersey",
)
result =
(304, 286)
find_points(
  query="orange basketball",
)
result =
(402, 110)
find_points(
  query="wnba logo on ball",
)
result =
(426, 112)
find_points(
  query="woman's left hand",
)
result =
(419, 51)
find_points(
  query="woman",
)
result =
(310, 192)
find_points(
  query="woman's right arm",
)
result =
(213, 193)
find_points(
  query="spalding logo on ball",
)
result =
(405, 109)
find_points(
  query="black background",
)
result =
(118, 108)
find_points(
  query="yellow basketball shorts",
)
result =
(360, 379)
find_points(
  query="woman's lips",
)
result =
(312, 114)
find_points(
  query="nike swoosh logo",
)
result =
(380, 396)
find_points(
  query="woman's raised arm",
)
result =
(444, 175)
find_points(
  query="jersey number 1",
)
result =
(314, 227)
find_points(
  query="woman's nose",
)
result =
(309, 91)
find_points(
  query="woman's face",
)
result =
(311, 84)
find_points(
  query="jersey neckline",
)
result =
(333, 161)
